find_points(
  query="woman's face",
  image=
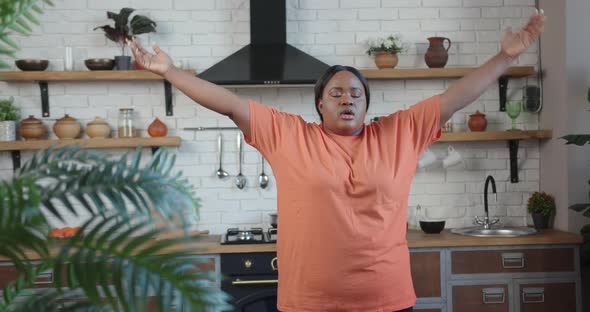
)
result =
(343, 104)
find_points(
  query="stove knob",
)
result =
(247, 264)
(273, 264)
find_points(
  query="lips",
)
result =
(347, 114)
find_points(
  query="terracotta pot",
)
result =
(385, 60)
(477, 122)
(31, 129)
(157, 128)
(437, 55)
(98, 128)
(67, 127)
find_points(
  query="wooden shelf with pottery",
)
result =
(495, 135)
(435, 73)
(171, 141)
(94, 75)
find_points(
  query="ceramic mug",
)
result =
(453, 158)
(427, 159)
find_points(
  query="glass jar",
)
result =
(126, 124)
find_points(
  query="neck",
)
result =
(344, 133)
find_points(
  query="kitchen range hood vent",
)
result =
(268, 59)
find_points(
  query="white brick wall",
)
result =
(200, 33)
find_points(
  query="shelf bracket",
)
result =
(44, 98)
(168, 97)
(503, 87)
(155, 149)
(15, 160)
(513, 148)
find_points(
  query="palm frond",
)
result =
(577, 139)
(97, 183)
(114, 252)
(17, 15)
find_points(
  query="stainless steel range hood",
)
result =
(268, 59)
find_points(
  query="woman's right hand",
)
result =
(158, 63)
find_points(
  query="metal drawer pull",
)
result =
(273, 264)
(493, 295)
(533, 295)
(513, 260)
(254, 282)
(45, 277)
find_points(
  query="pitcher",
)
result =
(436, 56)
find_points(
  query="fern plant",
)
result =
(16, 16)
(114, 262)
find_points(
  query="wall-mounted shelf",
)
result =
(513, 137)
(99, 75)
(458, 72)
(16, 146)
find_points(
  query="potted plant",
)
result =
(114, 262)
(541, 206)
(385, 51)
(9, 114)
(125, 30)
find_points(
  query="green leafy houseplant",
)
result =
(124, 30)
(16, 16)
(114, 261)
(541, 203)
(390, 44)
(9, 112)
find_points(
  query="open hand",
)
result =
(513, 44)
(158, 63)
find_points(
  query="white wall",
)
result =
(566, 169)
(200, 33)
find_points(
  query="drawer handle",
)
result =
(44, 278)
(513, 260)
(493, 295)
(273, 264)
(533, 295)
(254, 282)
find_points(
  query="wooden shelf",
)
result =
(91, 143)
(495, 136)
(433, 73)
(95, 75)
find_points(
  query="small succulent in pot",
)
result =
(125, 30)
(9, 112)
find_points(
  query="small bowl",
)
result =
(100, 64)
(432, 227)
(31, 64)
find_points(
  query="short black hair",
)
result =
(330, 72)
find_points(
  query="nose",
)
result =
(346, 99)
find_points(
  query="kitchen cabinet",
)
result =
(515, 278)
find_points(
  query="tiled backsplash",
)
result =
(200, 33)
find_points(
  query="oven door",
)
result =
(252, 294)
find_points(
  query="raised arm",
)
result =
(207, 94)
(469, 88)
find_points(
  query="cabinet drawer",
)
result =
(547, 297)
(480, 298)
(512, 260)
(427, 310)
(426, 273)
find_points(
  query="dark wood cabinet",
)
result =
(481, 298)
(426, 273)
(547, 297)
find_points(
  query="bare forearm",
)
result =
(469, 88)
(203, 92)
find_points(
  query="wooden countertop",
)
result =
(210, 244)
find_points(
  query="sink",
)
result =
(504, 231)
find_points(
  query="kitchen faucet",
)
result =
(486, 222)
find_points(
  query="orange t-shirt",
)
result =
(342, 207)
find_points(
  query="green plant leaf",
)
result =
(577, 139)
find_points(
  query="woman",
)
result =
(342, 185)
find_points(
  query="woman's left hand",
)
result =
(513, 44)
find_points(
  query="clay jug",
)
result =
(385, 60)
(157, 128)
(32, 128)
(67, 127)
(477, 122)
(437, 55)
(98, 128)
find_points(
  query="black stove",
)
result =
(235, 236)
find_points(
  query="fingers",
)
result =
(156, 48)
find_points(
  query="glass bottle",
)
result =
(126, 125)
